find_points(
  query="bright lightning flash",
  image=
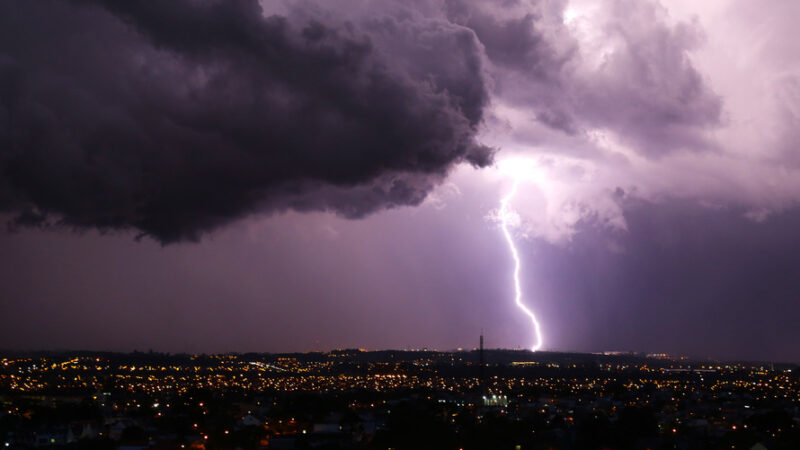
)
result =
(505, 215)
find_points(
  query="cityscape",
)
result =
(399, 224)
(426, 399)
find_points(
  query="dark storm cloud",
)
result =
(173, 118)
(516, 42)
(690, 279)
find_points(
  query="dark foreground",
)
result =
(394, 399)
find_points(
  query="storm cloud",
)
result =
(655, 145)
(625, 68)
(174, 118)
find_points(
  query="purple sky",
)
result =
(235, 176)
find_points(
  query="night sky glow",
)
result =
(306, 175)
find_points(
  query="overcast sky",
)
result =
(279, 176)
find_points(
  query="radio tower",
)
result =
(482, 367)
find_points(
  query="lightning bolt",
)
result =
(504, 219)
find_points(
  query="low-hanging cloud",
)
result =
(176, 118)
(173, 118)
